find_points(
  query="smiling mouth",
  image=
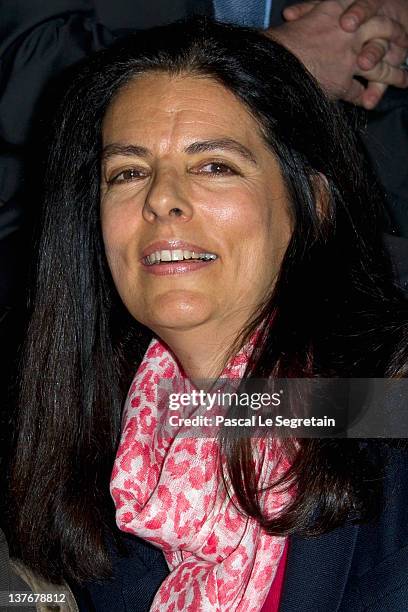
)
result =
(167, 256)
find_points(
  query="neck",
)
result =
(202, 352)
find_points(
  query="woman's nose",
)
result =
(166, 200)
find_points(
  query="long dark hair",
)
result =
(333, 312)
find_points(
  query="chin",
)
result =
(178, 310)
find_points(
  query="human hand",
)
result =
(378, 55)
(360, 11)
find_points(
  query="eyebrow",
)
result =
(128, 150)
(226, 144)
(202, 146)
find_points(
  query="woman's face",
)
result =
(186, 172)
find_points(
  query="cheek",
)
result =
(117, 226)
(118, 222)
(233, 212)
(246, 221)
(262, 230)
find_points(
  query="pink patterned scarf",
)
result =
(168, 491)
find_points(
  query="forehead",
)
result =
(163, 109)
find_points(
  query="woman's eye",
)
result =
(126, 176)
(216, 168)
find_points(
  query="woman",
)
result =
(209, 145)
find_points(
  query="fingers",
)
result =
(396, 55)
(296, 11)
(381, 27)
(377, 50)
(372, 53)
(386, 74)
(358, 13)
(354, 93)
(366, 97)
(371, 95)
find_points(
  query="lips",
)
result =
(171, 245)
(166, 251)
(175, 257)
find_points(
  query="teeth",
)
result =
(176, 255)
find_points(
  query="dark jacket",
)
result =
(354, 568)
